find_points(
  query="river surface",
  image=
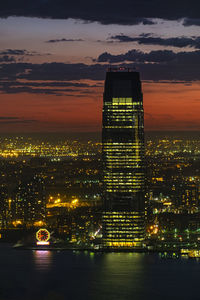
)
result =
(65, 275)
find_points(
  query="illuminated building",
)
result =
(30, 203)
(123, 161)
(4, 207)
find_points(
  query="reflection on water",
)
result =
(42, 259)
(122, 272)
(122, 263)
(66, 275)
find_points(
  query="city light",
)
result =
(42, 243)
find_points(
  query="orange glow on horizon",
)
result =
(167, 106)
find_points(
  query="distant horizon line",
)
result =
(88, 132)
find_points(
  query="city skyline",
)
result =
(99, 149)
(53, 64)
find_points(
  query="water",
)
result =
(45, 275)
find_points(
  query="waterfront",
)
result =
(46, 275)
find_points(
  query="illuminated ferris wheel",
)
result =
(42, 236)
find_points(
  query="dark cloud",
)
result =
(48, 88)
(7, 58)
(24, 89)
(64, 40)
(122, 38)
(50, 78)
(60, 78)
(157, 56)
(13, 89)
(20, 52)
(51, 71)
(14, 52)
(18, 122)
(18, 55)
(48, 84)
(8, 118)
(105, 12)
(15, 120)
(160, 65)
(128, 12)
(179, 42)
(191, 22)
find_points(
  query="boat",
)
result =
(18, 245)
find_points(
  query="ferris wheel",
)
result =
(43, 236)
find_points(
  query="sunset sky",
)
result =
(54, 55)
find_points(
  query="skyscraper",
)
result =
(30, 202)
(123, 161)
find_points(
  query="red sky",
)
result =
(171, 105)
(167, 106)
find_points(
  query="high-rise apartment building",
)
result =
(123, 161)
(30, 202)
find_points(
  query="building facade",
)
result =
(30, 202)
(123, 161)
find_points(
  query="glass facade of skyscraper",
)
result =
(123, 161)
